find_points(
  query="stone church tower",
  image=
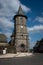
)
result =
(20, 36)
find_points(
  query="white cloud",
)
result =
(32, 44)
(39, 19)
(32, 31)
(6, 26)
(35, 28)
(8, 9)
(6, 23)
(29, 38)
(26, 9)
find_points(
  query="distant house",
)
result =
(39, 46)
(3, 42)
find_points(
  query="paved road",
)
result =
(36, 59)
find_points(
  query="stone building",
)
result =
(19, 37)
(39, 46)
(3, 43)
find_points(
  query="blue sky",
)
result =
(33, 10)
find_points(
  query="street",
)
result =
(35, 59)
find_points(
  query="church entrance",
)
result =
(22, 46)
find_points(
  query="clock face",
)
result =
(21, 26)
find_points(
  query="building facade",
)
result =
(3, 43)
(38, 47)
(19, 37)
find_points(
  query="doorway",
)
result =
(22, 46)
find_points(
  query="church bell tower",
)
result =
(20, 36)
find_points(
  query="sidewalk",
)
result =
(15, 55)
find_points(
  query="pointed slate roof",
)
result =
(20, 13)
